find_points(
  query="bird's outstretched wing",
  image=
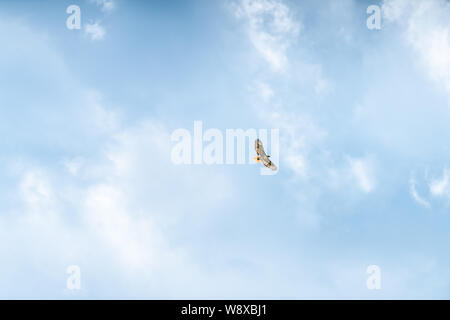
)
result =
(263, 157)
(259, 148)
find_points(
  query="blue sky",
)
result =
(86, 118)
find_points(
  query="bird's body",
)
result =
(262, 156)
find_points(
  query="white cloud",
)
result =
(35, 189)
(135, 240)
(438, 189)
(362, 171)
(441, 187)
(394, 10)
(126, 203)
(427, 30)
(271, 29)
(112, 202)
(95, 31)
(103, 119)
(105, 5)
(414, 193)
(74, 165)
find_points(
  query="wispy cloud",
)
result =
(415, 194)
(95, 31)
(93, 184)
(440, 187)
(362, 172)
(105, 5)
(427, 29)
(118, 203)
(271, 29)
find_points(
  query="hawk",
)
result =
(262, 156)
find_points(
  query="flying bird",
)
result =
(262, 156)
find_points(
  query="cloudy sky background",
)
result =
(86, 178)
